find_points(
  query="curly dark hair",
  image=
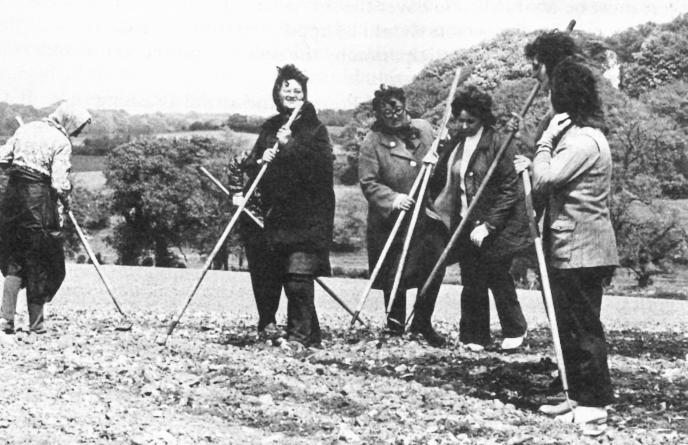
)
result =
(550, 48)
(476, 102)
(574, 91)
(385, 93)
(284, 73)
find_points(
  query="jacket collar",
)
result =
(397, 147)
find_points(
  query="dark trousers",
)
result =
(268, 277)
(266, 280)
(577, 295)
(478, 274)
(423, 308)
(302, 320)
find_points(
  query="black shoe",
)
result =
(394, 327)
(430, 335)
(556, 385)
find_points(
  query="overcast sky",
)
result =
(220, 55)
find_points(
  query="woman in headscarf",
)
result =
(31, 252)
(297, 200)
(390, 159)
(572, 171)
(497, 229)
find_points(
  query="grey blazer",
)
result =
(576, 177)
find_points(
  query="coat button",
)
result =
(392, 144)
(470, 173)
(413, 163)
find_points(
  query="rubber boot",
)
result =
(9, 303)
(36, 321)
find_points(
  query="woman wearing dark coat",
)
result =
(297, 201)
(31, 251)
(497, 228)
(390, 160)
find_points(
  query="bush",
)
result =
(163, 200)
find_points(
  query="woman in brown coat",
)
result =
(390, 160)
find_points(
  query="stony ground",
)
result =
(216, 382)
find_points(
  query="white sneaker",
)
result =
(582, 415)
(511, 343)
(474, 347)
(558, 409)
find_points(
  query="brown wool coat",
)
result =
(387, 168)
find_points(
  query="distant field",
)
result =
(81, 163)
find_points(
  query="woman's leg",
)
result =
(266, 281)
(303, 325)
(397, 316)
(474, 326)
(577, 295)
(506, 301)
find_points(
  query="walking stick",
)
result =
(259, 223)
(546, 289)
(223, 237)
(471, 208)
(426, 172)
(126, 323)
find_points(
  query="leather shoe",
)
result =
(430, 335)
(6, 326)
(558, 409)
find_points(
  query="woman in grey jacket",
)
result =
(391, 158)
(572, 171)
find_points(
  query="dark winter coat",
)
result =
(296, 192)
(386, 168)
(30, 234)
(502, 205)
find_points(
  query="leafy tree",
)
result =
(163, 200)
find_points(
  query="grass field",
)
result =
(81, 163)
(216, 382)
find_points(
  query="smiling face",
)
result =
(393, 112)
(468, 124)
(291, 94)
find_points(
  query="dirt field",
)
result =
(215, 382)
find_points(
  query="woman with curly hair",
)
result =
(390, 159)
(572, 172)
(297, 202)
(498, 227)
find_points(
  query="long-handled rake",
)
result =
(426, 172)
(546, 289)
(223, 237)
(259, 223)
(126, 323)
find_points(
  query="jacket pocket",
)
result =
(562, 239)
